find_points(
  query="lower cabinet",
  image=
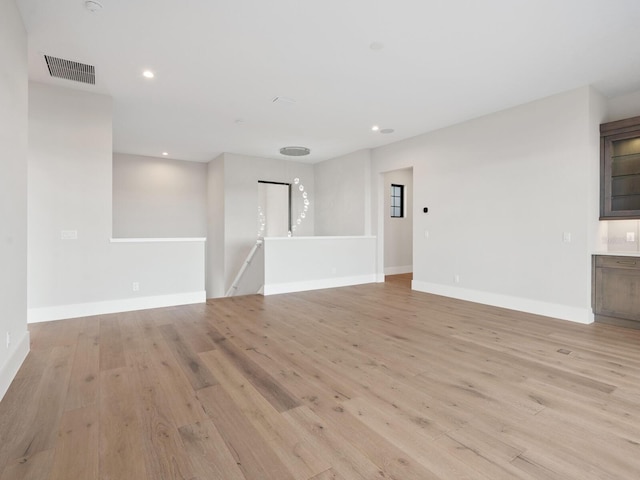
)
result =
(616, 290)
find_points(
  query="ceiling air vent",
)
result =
(70, 70)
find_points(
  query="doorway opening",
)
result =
(274, 209)
(398, 226)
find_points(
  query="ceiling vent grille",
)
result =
(70, 70)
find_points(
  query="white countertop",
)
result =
(619, 254)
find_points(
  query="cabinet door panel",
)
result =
(626, 165)
(618, 293)
(620, 169)
(626, 203)
(626, 185)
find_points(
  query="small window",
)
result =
(397, 201)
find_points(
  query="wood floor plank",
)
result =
(122, 455)
(297, 456)
(17, 412)
(192, 329)
(42, 414)
(85, 373)
(178, 392)
(209, 454)
(391, 460)
(275, 393)
(33, 467)
(253, 455)
(111, 349)
(77, 448)
(198, 374)
(364, 382)
(345, 458)
(163, 450)
(330, 474)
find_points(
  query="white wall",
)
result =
(623, 106)
(158, 197)
(215, 228)
(398, 232)
(70, 164)
(241, 174)
(501, 191)
(309, 263)
(13, 193)
(343, 199)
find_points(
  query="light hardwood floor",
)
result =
(365, 382)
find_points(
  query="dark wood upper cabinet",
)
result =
(620, 169)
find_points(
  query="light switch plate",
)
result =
(69, 235)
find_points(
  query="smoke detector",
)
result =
(295, 151)
(93, 5)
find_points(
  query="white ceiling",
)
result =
(217, 61)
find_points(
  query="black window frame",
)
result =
(397, 200)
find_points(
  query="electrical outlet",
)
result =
(135, 286)
(566, 237)
(8, 339)
(631, 236)
(456, 278)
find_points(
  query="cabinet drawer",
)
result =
(607, 261)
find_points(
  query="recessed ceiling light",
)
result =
(387, 130)
(239, 121)
(375, 128)
(376, 46)
(164, 154)
(148, 74)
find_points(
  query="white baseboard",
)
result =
(398, 270)
(59, 312)
(278, 288)
(554, 310)
(8, 370)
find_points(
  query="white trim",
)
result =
(277, 288)
(321, 237)
(554, 310)
(156, 240)
(380, 278)
(398, 270)
(13, 364)
(44, 314)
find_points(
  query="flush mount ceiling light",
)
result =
(295, 151)
(148, 74)
(93, 6)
